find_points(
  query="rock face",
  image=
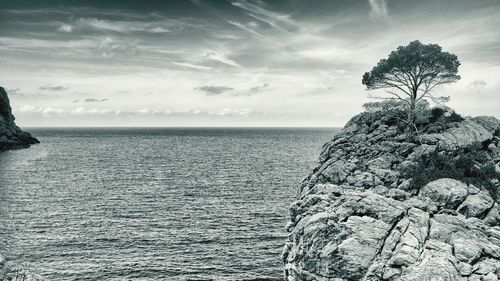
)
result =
(11, 271)
(11, 136)
(381, 207)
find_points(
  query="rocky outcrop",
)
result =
(11, 136)
(12, 271)
(381, 207)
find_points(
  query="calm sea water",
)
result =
(153, 204)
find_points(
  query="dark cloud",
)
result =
(214, 90)
(53, 88)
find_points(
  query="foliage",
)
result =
(411, 72)
(412, 68)
(437, 119)
(428, 120)
(468, 165)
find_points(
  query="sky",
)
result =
(230, 63)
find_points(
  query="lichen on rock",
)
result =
(381, 206)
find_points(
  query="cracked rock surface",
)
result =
(376, 207)
(11, 136)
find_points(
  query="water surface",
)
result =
(153, 204)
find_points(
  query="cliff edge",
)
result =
(11, 136)
(381, 207)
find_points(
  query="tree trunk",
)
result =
(411, 117)
(411, 113)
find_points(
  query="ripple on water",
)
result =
(153, 204)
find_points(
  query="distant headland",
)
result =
(11, 136)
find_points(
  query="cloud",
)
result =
(20, 93)
(65, 28)
(214, 90)
(14, 92)
(53, 88)
(279, 21)
(81, 111)
(45, 111)
(95, 100)
(379, 9)
(258, 88)
(111, 48)
(229, 111)
(103, 24)
(189, 65)
(58, 112)
(218, 57)
(91, 111)
(477, 85)
(159, 29)
(125, 26)
(246, 28)
(300, 64)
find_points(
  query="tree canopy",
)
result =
(412, 71)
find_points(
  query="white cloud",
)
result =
(65, 28)
(45, 111)
(246, 28)
(110, 48)
(59, 112)
(156, 26)
(215, 56)
(194, 66)
(280, 21)
(159, 29)
(379, 9)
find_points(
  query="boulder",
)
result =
(447, 193)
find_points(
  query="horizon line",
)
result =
(181, 127)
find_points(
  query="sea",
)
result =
(154, 203)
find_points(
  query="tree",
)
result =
(411, 72)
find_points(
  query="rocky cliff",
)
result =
(382, 206)
(11, 136)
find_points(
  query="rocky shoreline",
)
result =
(380, 207)
(11, 136)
